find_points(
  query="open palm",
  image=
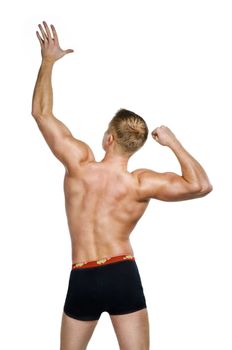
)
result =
(50, 47)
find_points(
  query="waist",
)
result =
(102, 261)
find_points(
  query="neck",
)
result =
(116, 161)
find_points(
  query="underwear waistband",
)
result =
(102, 261)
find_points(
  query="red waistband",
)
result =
(103, 261)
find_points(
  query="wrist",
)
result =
(175, 144)
(46, 61)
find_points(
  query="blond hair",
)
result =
(130, 130)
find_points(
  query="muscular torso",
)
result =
(102, 207)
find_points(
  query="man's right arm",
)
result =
(169, 186)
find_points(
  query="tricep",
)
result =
(167, 186)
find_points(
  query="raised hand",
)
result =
(50, 47)
(164, 136)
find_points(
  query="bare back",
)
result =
(102, 209)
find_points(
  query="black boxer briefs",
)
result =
(113, 286)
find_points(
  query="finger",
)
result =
(154, 135)
(40, 39)
(43, 33)
(54, 33)
(47, 30)
(155, 131)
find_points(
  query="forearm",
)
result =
(192, 171)
(42, 101)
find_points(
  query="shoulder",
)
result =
(143, 173)
(84, 149)
(78, 154)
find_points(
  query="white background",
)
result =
(170, 62)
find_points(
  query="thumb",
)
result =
(156, 137)
(69, 51)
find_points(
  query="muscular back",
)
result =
(102, 207)
(103, 203)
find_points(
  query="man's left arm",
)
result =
(70, 151)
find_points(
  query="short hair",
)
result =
(130, 130)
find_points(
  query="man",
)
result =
(103, 203)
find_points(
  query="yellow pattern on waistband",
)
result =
(102, 261)
(79, 264)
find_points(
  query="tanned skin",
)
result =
(103, 200)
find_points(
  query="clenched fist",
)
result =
(164, 136)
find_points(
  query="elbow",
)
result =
(206, 189)
(203, 189)
(210, 187)
(36, 110)
(34, 113)
(38, 116)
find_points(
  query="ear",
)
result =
(110, 139)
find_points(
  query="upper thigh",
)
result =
(75, 334)
(132, 330)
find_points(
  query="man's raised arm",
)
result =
(168, 186)
(42, 101)
(69, 150)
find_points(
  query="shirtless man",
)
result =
(103, 203)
